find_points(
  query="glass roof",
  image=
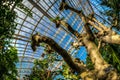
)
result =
(42, 11)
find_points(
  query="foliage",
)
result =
(68, 73)
(7, 25)
(26, 9)
(8, 58)
(111, 54)
(89, 63)
(41, 69)
(8, 54)
(7, 17)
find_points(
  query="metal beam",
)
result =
(39, 8)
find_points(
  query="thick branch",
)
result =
(114, 39)
(100, 24)
(84, 19)
(91, 47)
(94, 25)
(101, 66)
(94, 54)
(63, 53)
(67, 58)
(69, 28)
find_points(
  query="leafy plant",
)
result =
(7, 64)
(41, 69)
(111, 54)
(89, 63)
(8, 54)
(69, 74)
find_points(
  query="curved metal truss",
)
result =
(42, 10)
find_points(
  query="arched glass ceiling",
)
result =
(41, 11)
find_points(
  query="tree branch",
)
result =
(100, 24)
(69, 28)
(84, 19)
(93, 24)
(67, 58)
(113, 39)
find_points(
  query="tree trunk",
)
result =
(102, 70)
(113, 38)
(100, 64)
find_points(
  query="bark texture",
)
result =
(102, 70)
(69, 28)
(67, 58)
(110, 38)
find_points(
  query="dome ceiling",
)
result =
(42, 11)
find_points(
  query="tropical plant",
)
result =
(8, 58)
(68, 73)
(113, 14)
(8, 54)
(100, 68)
(113, 56)
(42, 68)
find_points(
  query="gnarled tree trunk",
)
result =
(100, 65)
(67, 58)
(102, 70)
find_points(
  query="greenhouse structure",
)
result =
(60, 40)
